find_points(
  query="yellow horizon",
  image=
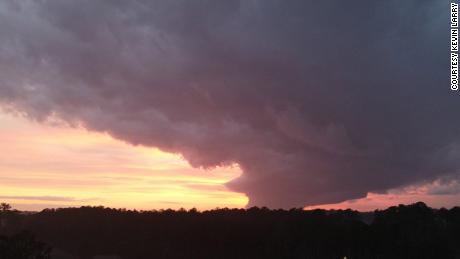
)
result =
(58, 166)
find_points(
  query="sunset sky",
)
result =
(45, 166)
(49, 165)
(169, 104)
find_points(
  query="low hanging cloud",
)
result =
(317, 101)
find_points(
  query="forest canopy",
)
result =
(404, 231)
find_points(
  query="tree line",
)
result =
(404, 231)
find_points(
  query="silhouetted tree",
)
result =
(5, 206)
(414, 231)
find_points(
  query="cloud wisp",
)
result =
(43, 198)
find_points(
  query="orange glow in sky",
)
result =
(48, 165)
(45, 166)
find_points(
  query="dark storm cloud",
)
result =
(318, 102)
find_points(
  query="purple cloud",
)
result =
(317, 102)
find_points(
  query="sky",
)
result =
(154, 104)
(52, 165)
